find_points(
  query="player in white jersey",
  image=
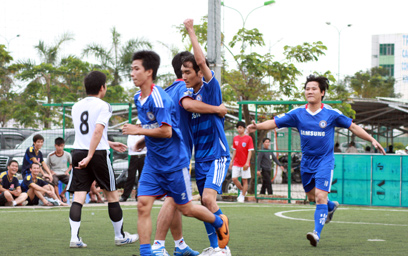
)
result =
(90, 159)
(316, 123)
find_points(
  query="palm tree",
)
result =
(118, 58)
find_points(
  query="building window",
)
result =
(389, 68)
(386, 49)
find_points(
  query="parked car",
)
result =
(48, 147)
(10, 138)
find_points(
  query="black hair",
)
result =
(177, 62)
(93, 82)
(31, 165)
(265, 139)
(38, 137)
(150, 60)
(337, 145)
(59, 141)
(321, 80)
(352, 144)
(240, 123)
(12, 161)
(191, 59)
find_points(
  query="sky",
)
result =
(286, 22)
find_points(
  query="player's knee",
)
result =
(208, 202)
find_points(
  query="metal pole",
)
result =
(214, 37)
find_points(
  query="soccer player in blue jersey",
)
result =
(316, 124)
(212, 156)
(165, 171)
(168, 215)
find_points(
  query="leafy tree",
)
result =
(7, 96)
(372, 83)
(117, 59)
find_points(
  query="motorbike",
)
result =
(295, 168)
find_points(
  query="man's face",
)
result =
(38, 144)
(139, 74)
(13, 168)
(240, 130)
(190, 77)
(59, 148)
(313, 93)
(267, 144)
(35, 169)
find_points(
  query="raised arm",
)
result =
(198, 52)
(360, 132)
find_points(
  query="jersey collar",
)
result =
(151, 89)
(179, 79)
(307, 106)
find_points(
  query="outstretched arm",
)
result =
(164, 131)
(198, 52)
(267, 125)
(360, 132)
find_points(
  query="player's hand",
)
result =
(258, 173)
(245, 167)
(378, 146)
(189, 24)
(252, 127)
(140, 145)
(222, 110)
(84, 163)
(120, 147)
(131, 129)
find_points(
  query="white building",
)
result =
(391, 52)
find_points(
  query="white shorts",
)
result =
(239, 172)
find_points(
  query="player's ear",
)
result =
(149, 72)
(200, 74)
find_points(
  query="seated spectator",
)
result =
(95, 194)
(10, 189)
(337, 148)
(368, 149)
(57, 162)
(352, 148)
(34, 155)
(390, 149)
(37, 188)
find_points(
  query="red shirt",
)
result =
(242, 145)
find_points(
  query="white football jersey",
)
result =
(86, 113)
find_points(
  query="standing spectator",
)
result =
(136, 163)
(241, 160)
(352, 148)
(337, 148)
(10, 190)
(34, 155)
(265, 166)
(38, 188)
(60, 164)
(90, 159)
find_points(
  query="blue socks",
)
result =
(145, 249)
(211, 227)
(330, 205)
(320, 217)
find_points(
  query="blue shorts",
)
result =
(211, 174)
(174, 184)
(321, 180)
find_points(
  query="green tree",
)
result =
(372, 83)
(117, 59)
(7, 96)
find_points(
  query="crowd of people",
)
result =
(187, 114)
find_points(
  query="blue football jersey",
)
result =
(163, 154)
(316, 134)
(210, 141)
(177, 91)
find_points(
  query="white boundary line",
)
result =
(281, 215)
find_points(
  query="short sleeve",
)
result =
(104, 115)
(286, 119)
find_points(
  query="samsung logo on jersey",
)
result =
(313, 133)
(151, 126)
